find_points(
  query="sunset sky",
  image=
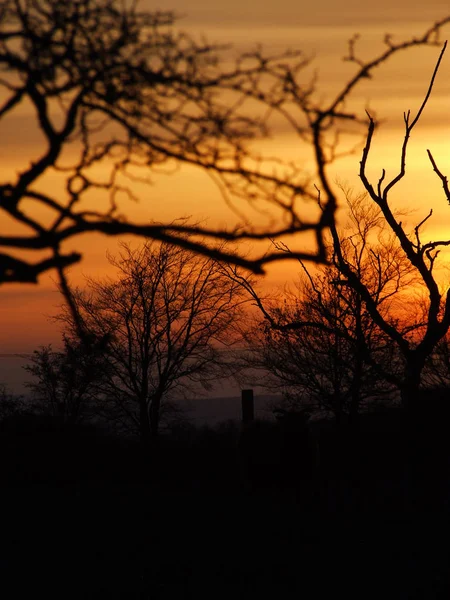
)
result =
(320, 28)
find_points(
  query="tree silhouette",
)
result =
(436, 372)
(119, 88)
(120, 91)
(10, 404)
(318, 342)
(415, 344)
(164, 322)
(65, 383)
(421, 256)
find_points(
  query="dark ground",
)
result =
(82, 518)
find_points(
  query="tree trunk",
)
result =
(155, 408)
(411, 383)
(144, 424)
(414, 435)
(356, 391)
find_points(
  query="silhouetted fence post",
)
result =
(248, 409)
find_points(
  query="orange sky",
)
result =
(322, 28)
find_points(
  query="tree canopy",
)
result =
(162, 325)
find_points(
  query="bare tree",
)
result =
(415, 344)
(421, 256)
(165, 321)
(319, 342)
(320, 365)
(65, 382)
(436, 373)
(117, 88)
(120, 91)
(10, 404)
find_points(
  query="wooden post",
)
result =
(248, 411)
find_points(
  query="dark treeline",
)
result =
(229, 506)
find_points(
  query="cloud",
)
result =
(276, 13)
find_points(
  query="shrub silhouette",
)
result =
(39, 449)
(277, 455)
